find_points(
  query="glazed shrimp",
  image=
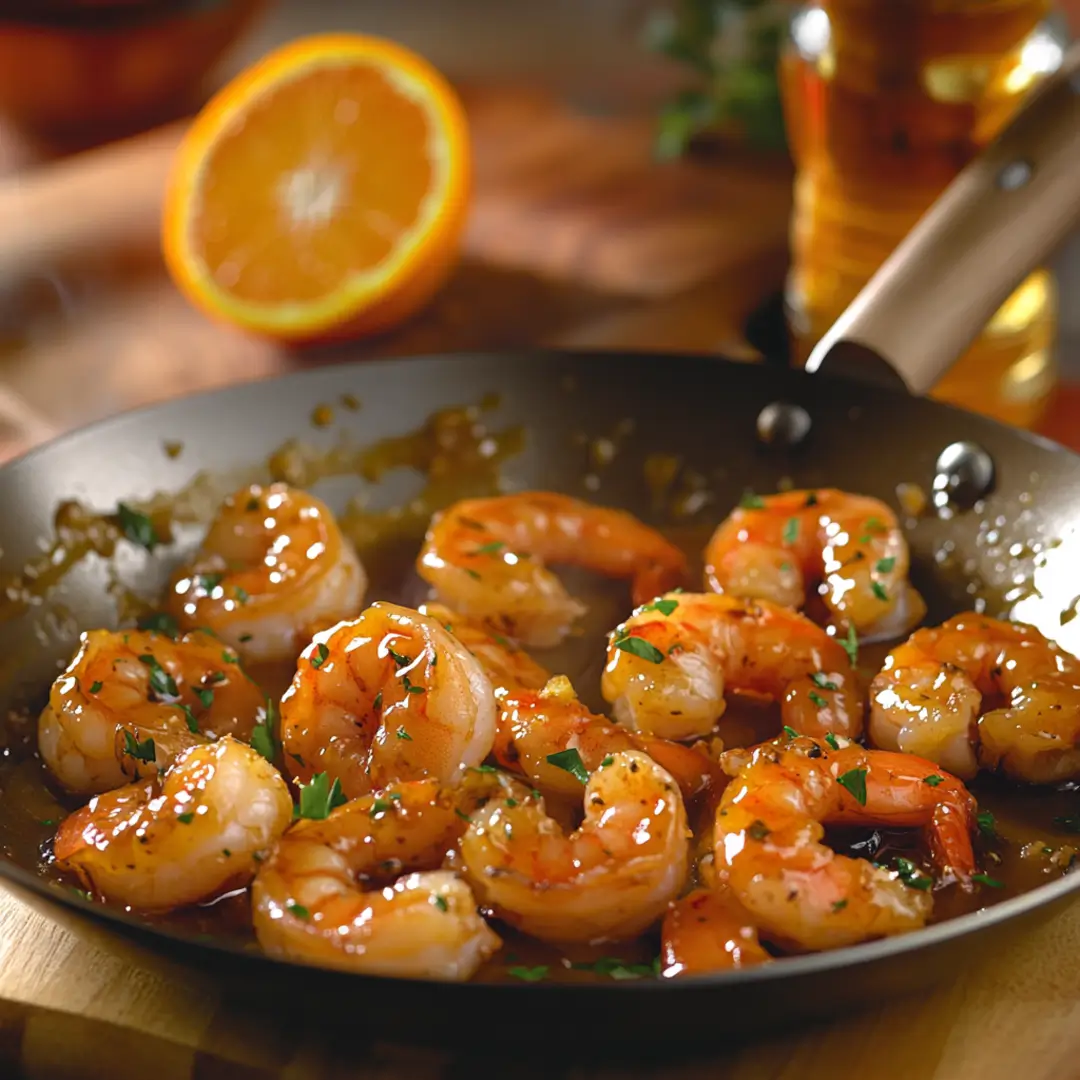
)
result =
(507, 665)
(192, 835)
(607, 881)
(670, 664)
(274, 568)
(308, 902)
(781, 547)
(535, 726)
(708, 930)
(770, 823)
(930, 698)
(486, 558)
(131, 700)
(390, 696)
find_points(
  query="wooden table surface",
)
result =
(576, 239)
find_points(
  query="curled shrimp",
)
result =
(309, 903)
(191, 835)
(708, 930)
(389, 696)
(487, 558)
(507, 665)
(534, 727)
(783, 547)
(979, 693)
(273, 569)
(607, 881)
(768, 835)
(131, 700)
(671, 663)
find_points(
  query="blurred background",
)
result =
(649, 175)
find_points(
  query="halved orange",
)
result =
(322, 193)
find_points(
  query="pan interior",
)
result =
(673, 439)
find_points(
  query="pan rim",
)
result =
(789, 967)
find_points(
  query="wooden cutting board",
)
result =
(576, 239)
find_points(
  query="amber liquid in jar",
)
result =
(885, 101)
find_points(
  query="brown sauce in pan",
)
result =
(1035, 835)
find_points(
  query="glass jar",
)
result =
(884, 102)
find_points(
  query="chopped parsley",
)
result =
(379, 806)
(298, 910)
(528, 974)
(934, 780)
(440, 903)
(377, 703)
(205, 695)
(606, 762)
(137, 527)
(492, 548)
(664, 606)
(189, 718)
(471, 572)
(791, 531)
(159, 622)
(851, 645)
(209, 582)
(986, 879)
(912, 876)
(988, 827)
(319, 797)
(161, 682)
(750, 501)
(638, 647)
(241, 595)
(831, 739)
(879, 590)
(839, 905)
(790, 732)
(819, 678)
(615, 968)
(817, 699)
(263, 740)
(570, 761)
(186, 818)
(461, 814)
(95, 687)
(398, 659)
(409, 688)
(758, 830)
(140, 751)
(320, 656)
(401, 733)
(854, 781)
(884, 566)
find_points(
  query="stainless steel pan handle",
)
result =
(997, 221)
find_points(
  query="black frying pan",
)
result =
(741, 426)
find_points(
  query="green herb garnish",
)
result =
(159, 622)
(851, 645)
(819, 678)
(934, 780)
(664, 606)
(319, 797)
(320, 656)
(986, 879)
(791, 531)
(570, 761)
(161, 682)
(140, 751)
(137, 527)
(750, 501)
(639, 647)
(528, 974)
(854, 781)
(817, 699)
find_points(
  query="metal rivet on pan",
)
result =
(783, 424)
(1014, 175)
(963, 474)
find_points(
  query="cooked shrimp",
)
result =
(192, 835)
(131, 700)
(486, 558)
(928, 699)
(607, 881)
(390, 696)
(273, 569)
(535, 726)
(708, 930)
(507, 665)
(309, 904)
(670, 664)
(780, 547)
(770, 823)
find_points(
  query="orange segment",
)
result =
(322, 193)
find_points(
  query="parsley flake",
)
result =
(159, 622)
(911, 876)
(791, 531)
(298, 910)
(750, 501)
(321, 655)
(790, 732)
(319, 797)
(639, 647)
(986, 879)
(440, 903)
(187, 818)
(854, 781)
(664, 606)
(95, 687)
(137, 527)
(851, 645)
(817, 699)
(879, 590)
(401, 733)
(819, 678)
(161, 682)
(831, 739)
(988, 827)
(934, 780)
(570, 761)
(140, 751)
(492, 548)
(528, 974)
(884, 566)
